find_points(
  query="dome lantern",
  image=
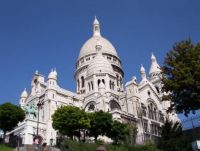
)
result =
(96, 27)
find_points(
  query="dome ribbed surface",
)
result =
(89, 47)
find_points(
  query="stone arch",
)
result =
(90, 106)
(114, 105)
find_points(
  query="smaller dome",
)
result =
(99, 65)
(24, 94)
(52, 75)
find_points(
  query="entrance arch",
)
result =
(114, 105)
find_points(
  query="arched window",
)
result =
(120, 81)
(114, 105)
(117, 80)
(155, 114)
(92, 85)
(82, 82)
(89, 86)
(152, 111)
(110, 83)
(91, 107)
(157, 89)
(113, 85)
(98, 82)
(103, 81)
(78, 83)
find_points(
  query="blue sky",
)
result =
(40, 35)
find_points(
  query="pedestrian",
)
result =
(44, 147)
(36, 144)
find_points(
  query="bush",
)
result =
(68, 145)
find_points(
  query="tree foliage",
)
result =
(10, 116)
(72, 121)
(118, 131)
(131, 136)
(100, 123)
(182, 77)
(172, 138)
(69, 120)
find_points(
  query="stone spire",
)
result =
(23, 97)
(96, 27)
(155, 68)
(142, 72)
(24, 94)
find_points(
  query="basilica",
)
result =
(99, 86)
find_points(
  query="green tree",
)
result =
(118, 132)
(10, 116)
(172, 138)
(181, 78)
(70, 120)
(131, 136)
(100, 123)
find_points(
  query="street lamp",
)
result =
(39, 105)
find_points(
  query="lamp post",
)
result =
(39, 105)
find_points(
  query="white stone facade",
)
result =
(99, 79)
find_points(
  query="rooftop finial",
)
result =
(143, 73)
(96, 27)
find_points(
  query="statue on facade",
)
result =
(31, 111)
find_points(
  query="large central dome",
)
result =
(89, 46)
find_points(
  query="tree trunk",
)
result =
(79, 135)
(95, 139)
(4, 136)
(84, 136)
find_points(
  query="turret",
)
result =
(52, 78)
(23, 97)
(143, 72)
(155, 68)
